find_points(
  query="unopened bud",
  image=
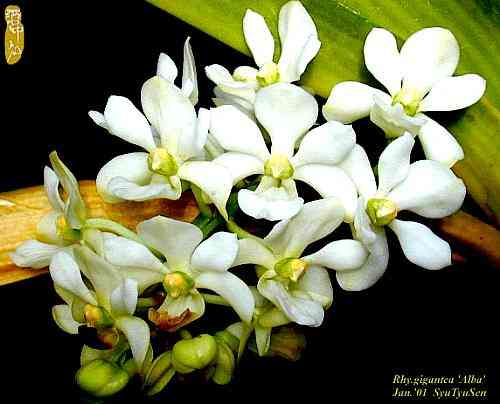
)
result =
(101, 378)
(160, 161)
(192, 354)
(232, 341)
(381, 211)
(290, 268)
(177, 284)
(287, 343)
(279, 167)
(224, 364)
(159, 374)
(268, 74)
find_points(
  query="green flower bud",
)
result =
(410, 101)
(159, 374)
(381, 211)
(160, 161)
(290, 268)
(97, 316)
(228, 338)
(278, 166)
(177, 284)
(268, 74)
(192, 354)
(101, 378)
(287, 343)
(224, 364)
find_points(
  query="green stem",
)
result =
(208, 224)
(214, 299)
(204, 208)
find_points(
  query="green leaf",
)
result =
(343, 26)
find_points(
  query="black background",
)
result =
(77, 54)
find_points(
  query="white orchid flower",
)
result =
(109, 304)
(299, 286)
(299, 45)
(191, 264)
(61, 226)
(426, 187)
(287, 112)
(419, 79)
(174, 138)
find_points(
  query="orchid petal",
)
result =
(301, 311)
(252, 252)
(358, 168)
(137, 332)
(430, 190)
(270, 201)
(34, 254)
(439, 144)
(240, 165)
(132, 166)
(232, 289)
(258, 38)
(394, 163)
(211, 178)
(373, 268)
(51, 186)
(162, 188)
(299, 40)
(236, 132)
(262, 339)
(99, 119)
(217, 253)
(382, 59)
(340, 255)
(428, 56)
(176, 240)
(421, 246)
(452, 93)
(330, 181)
(134, 260)
(61, 314)
(172, 115)
(127, 122)
(315, 281)
(124, 298)
(189, 74)
(286, 112)
(349, 101)
(218, 74)
(166, 68)
(327, 144)
(317, 219)
(66, 274)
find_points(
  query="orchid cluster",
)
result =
(250, 155)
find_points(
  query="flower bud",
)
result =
(290, 268)
(65, 232)
(381, 211)
(159, 374)
(160, 161)
(232, 341)
(177, 284)
(268, 74)
(224, 363)
(101, 378)
(192, 354)
(287, 343)
(278, 167)
(97, 316)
